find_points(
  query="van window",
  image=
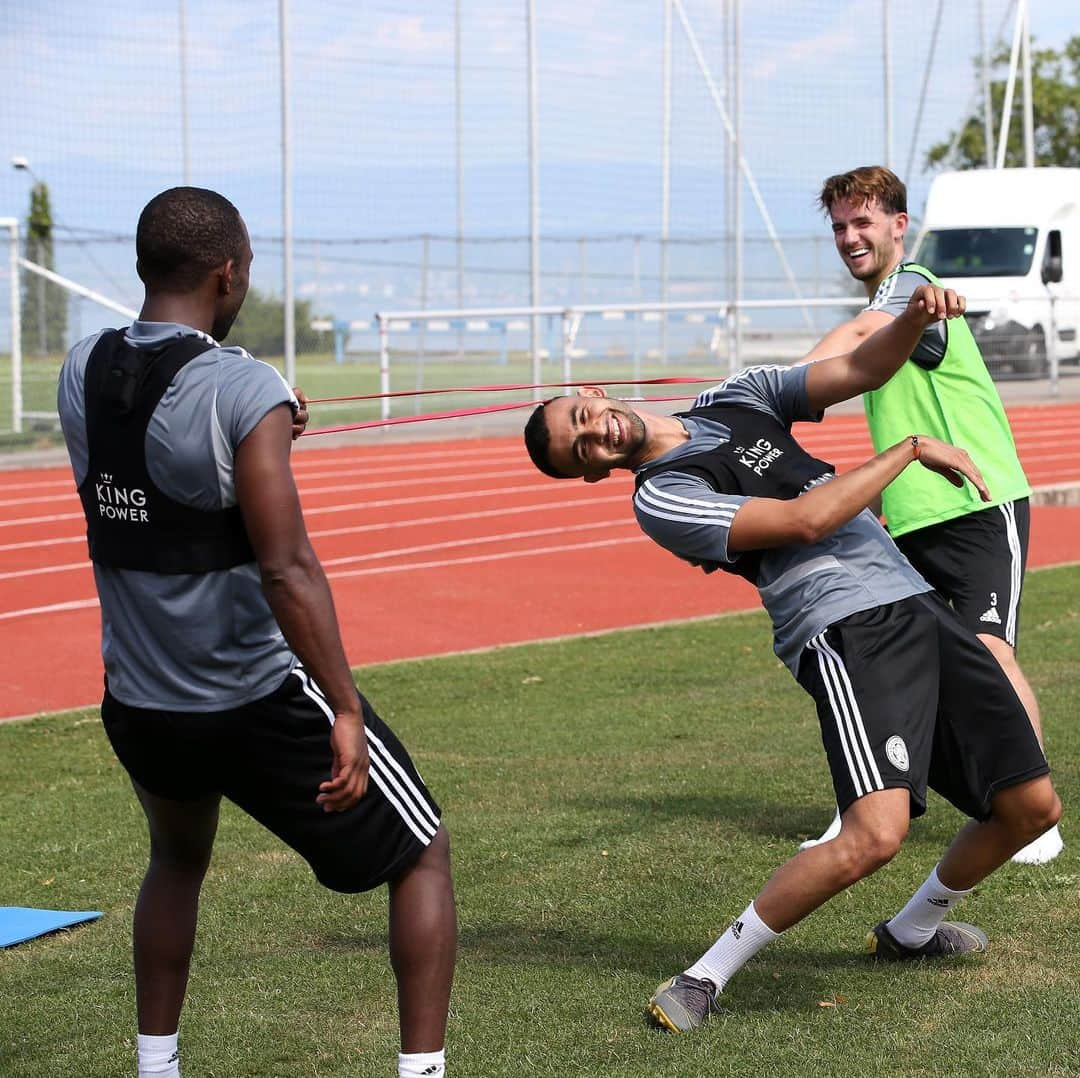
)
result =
(979, 252)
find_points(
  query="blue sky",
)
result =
(93, 99)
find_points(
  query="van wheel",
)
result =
(1033, 360)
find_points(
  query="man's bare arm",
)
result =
(848, 335)
(883, 353)
(762, 523)
(299, 595)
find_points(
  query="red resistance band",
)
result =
(458, 413)
(673, 381)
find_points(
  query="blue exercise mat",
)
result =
(20, 923)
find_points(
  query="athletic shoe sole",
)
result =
(660, 1019)
(671, 1015)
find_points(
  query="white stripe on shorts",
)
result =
(849, 721)
(1008, 511)
(399, 789)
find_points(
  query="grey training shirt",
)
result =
(805, 589)
(187, 642)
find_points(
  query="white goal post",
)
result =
(721, 314)
(16, 265)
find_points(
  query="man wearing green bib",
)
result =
(972, 553)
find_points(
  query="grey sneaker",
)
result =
(683, 1003)
(951, 938)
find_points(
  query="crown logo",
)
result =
(106, 477)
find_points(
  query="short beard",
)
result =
(635, 435)
(220, 330)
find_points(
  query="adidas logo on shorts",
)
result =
(991, 616)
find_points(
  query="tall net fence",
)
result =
(410, 148)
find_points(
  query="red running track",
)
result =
(437, 547)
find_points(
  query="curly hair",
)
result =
(871, 182)
(183, 234)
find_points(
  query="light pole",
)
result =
(21, 164)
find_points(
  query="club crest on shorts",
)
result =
(896, 751)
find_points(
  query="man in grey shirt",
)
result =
(894, 674)
(225, 672)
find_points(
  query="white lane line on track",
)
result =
(836, 425)
(1048, 416)
(84, 604)
(54, 518)
(39, 484)
(338, 488)
(427, 480)
(21, 574)
(1033, 462)
(450, 544)
(538, 485)
(1031, 459)
(53, 608)
(423, 452)
(588, 502)
(359, 467)
(386, 503)
(451, 518)
(831, 442)
(563, 548)
(476, 540)
(33, 544)
(413, 522)
(48, 499)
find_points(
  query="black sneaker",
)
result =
(683, 1003)
(951, 938)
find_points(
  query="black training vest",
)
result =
(130, 523)
(762, 460)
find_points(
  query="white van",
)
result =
(1009, 240)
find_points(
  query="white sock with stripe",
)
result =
(746, 936)
(158, 1057)
(422, 1064)
(919, 919)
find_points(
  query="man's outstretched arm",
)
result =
(762, 523)
(847, 336)
(883, 353)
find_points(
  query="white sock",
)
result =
(746, 936)
(926, 909)
(159, 1057)
(422, 1064)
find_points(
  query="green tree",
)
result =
(44, 304)
(260, 326)
(1055, 98)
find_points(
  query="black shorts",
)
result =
(977, 563)
(269, 757)
(907, 697)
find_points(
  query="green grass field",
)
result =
(613, 802)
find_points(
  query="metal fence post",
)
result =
(12, 226)
(384, 364)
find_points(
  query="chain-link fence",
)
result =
(418, 179)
